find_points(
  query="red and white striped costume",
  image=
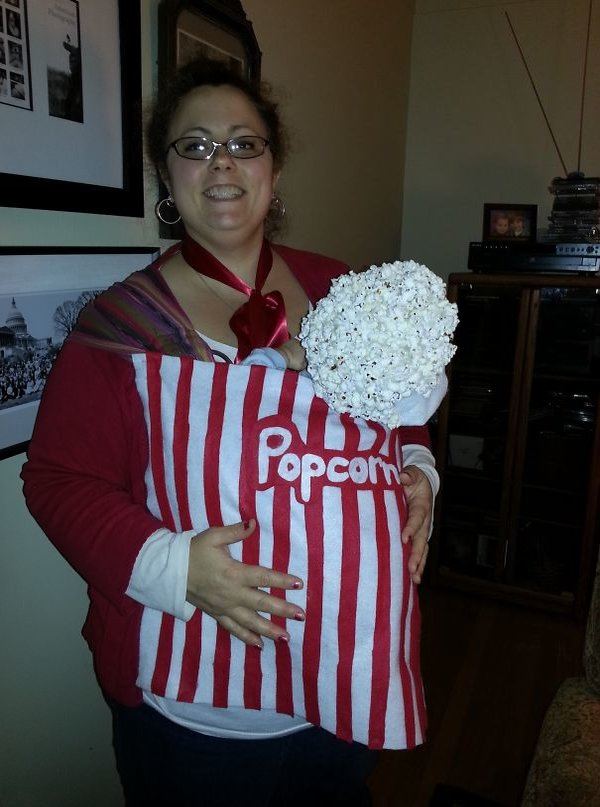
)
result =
(228, 443)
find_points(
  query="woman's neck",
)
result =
(241, 258)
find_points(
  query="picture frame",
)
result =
(217, 29)
(81, 87)
(509, 222)
(42, 290)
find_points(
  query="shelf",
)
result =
(478, 370)
(549, 489)
(573, 527)
(527, 362)
(517, 594)
(455, 509)
(566, 379)
(468, 473)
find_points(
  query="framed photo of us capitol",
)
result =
(42, 291)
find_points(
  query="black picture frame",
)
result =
(34, 281)
(222, 30)
(503, 221)
(25, 191)
(224, 26)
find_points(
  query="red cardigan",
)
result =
(84, 482)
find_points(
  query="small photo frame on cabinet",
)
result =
(42, 290)
(509, 222)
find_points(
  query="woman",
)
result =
(218, 144)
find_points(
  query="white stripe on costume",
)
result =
(332, 575)
(365, 623)
(298, 566)
(395, 728)
(199, 405)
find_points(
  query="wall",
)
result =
(342, 72)
(476, 133)
(345, 74)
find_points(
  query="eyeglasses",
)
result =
(201, 148)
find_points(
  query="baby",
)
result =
(414, 410)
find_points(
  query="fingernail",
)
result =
(246, 524)
(259, 645)
(299, 616)
(297, 584)
(282, 639)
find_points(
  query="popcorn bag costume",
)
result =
(228, 443)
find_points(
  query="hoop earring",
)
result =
(277, 208)
(159, 213)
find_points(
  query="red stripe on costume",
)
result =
(157, 464)
(311, 649)
(381, 641)
(348, 595)
(250, 547)
(284, 701)
(162, 663)
(212, 499)
(181, 436)
(281, 559)
(191, 659)
(380, 435)
(415, 662)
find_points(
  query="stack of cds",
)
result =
(576, 210)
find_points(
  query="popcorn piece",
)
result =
(378, 336)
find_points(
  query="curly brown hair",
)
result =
(207, 72)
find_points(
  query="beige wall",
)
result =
(476, 133)
(344, 71)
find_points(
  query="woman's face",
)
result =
(223, 200)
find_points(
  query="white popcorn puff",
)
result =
(378, 336)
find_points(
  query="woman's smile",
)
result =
(223, 193)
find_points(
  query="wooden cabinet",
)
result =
(518, 440)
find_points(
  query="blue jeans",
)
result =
(162, 763)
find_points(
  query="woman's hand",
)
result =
(419, 498)
(230, 591)
(294, 355)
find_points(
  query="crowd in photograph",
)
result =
(20, 377)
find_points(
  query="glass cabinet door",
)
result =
(471, 539)
(562, 404)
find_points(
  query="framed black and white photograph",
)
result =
(14, 25)
(214, 29)
(15, 75)
(509, 222)
(42, 291)
(65, 89)
(74, 73)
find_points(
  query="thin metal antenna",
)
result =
(587, 45)
(537, 95)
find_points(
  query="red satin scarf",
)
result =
(259, 322)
